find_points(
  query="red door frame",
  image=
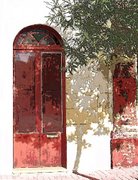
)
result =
(48, 49)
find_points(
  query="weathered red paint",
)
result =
(124, 96)
(26, 150)
(39, 99)
(50, 151)
(125, 152)
(51, 90)
(124, 140)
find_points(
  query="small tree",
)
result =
(93, 26)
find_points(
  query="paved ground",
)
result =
(115, 174)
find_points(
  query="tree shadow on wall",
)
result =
(90, 104)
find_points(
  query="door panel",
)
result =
(51, 110)
(24, 112)
(52, 120)
(51, 93)
(24, 93)
(51, 150)
(38, 109)
(26, 150)
(51, 71)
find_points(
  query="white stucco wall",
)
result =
(89, 118)
(15, 15)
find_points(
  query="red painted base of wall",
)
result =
(124, 152)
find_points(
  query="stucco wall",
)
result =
(88, 115)
(89, 118)
(14, 15)
(89, 97)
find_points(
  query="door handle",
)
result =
(52, 135)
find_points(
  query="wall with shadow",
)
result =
(89, 117)
(92, 99)
(124, 141)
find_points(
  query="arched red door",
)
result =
(39, 98)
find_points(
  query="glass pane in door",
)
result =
(51, 92)
(24, 92)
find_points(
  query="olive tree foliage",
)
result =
(93, 26)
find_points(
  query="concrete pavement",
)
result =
(114, 174)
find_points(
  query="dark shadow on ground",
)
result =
(86, 176)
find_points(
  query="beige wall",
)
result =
(89, 118)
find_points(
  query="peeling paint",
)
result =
(124, 140)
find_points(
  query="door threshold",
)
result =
(40, 170)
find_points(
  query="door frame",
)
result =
(47, 49)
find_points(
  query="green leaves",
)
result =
(90, 26)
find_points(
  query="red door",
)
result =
(39, 109)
